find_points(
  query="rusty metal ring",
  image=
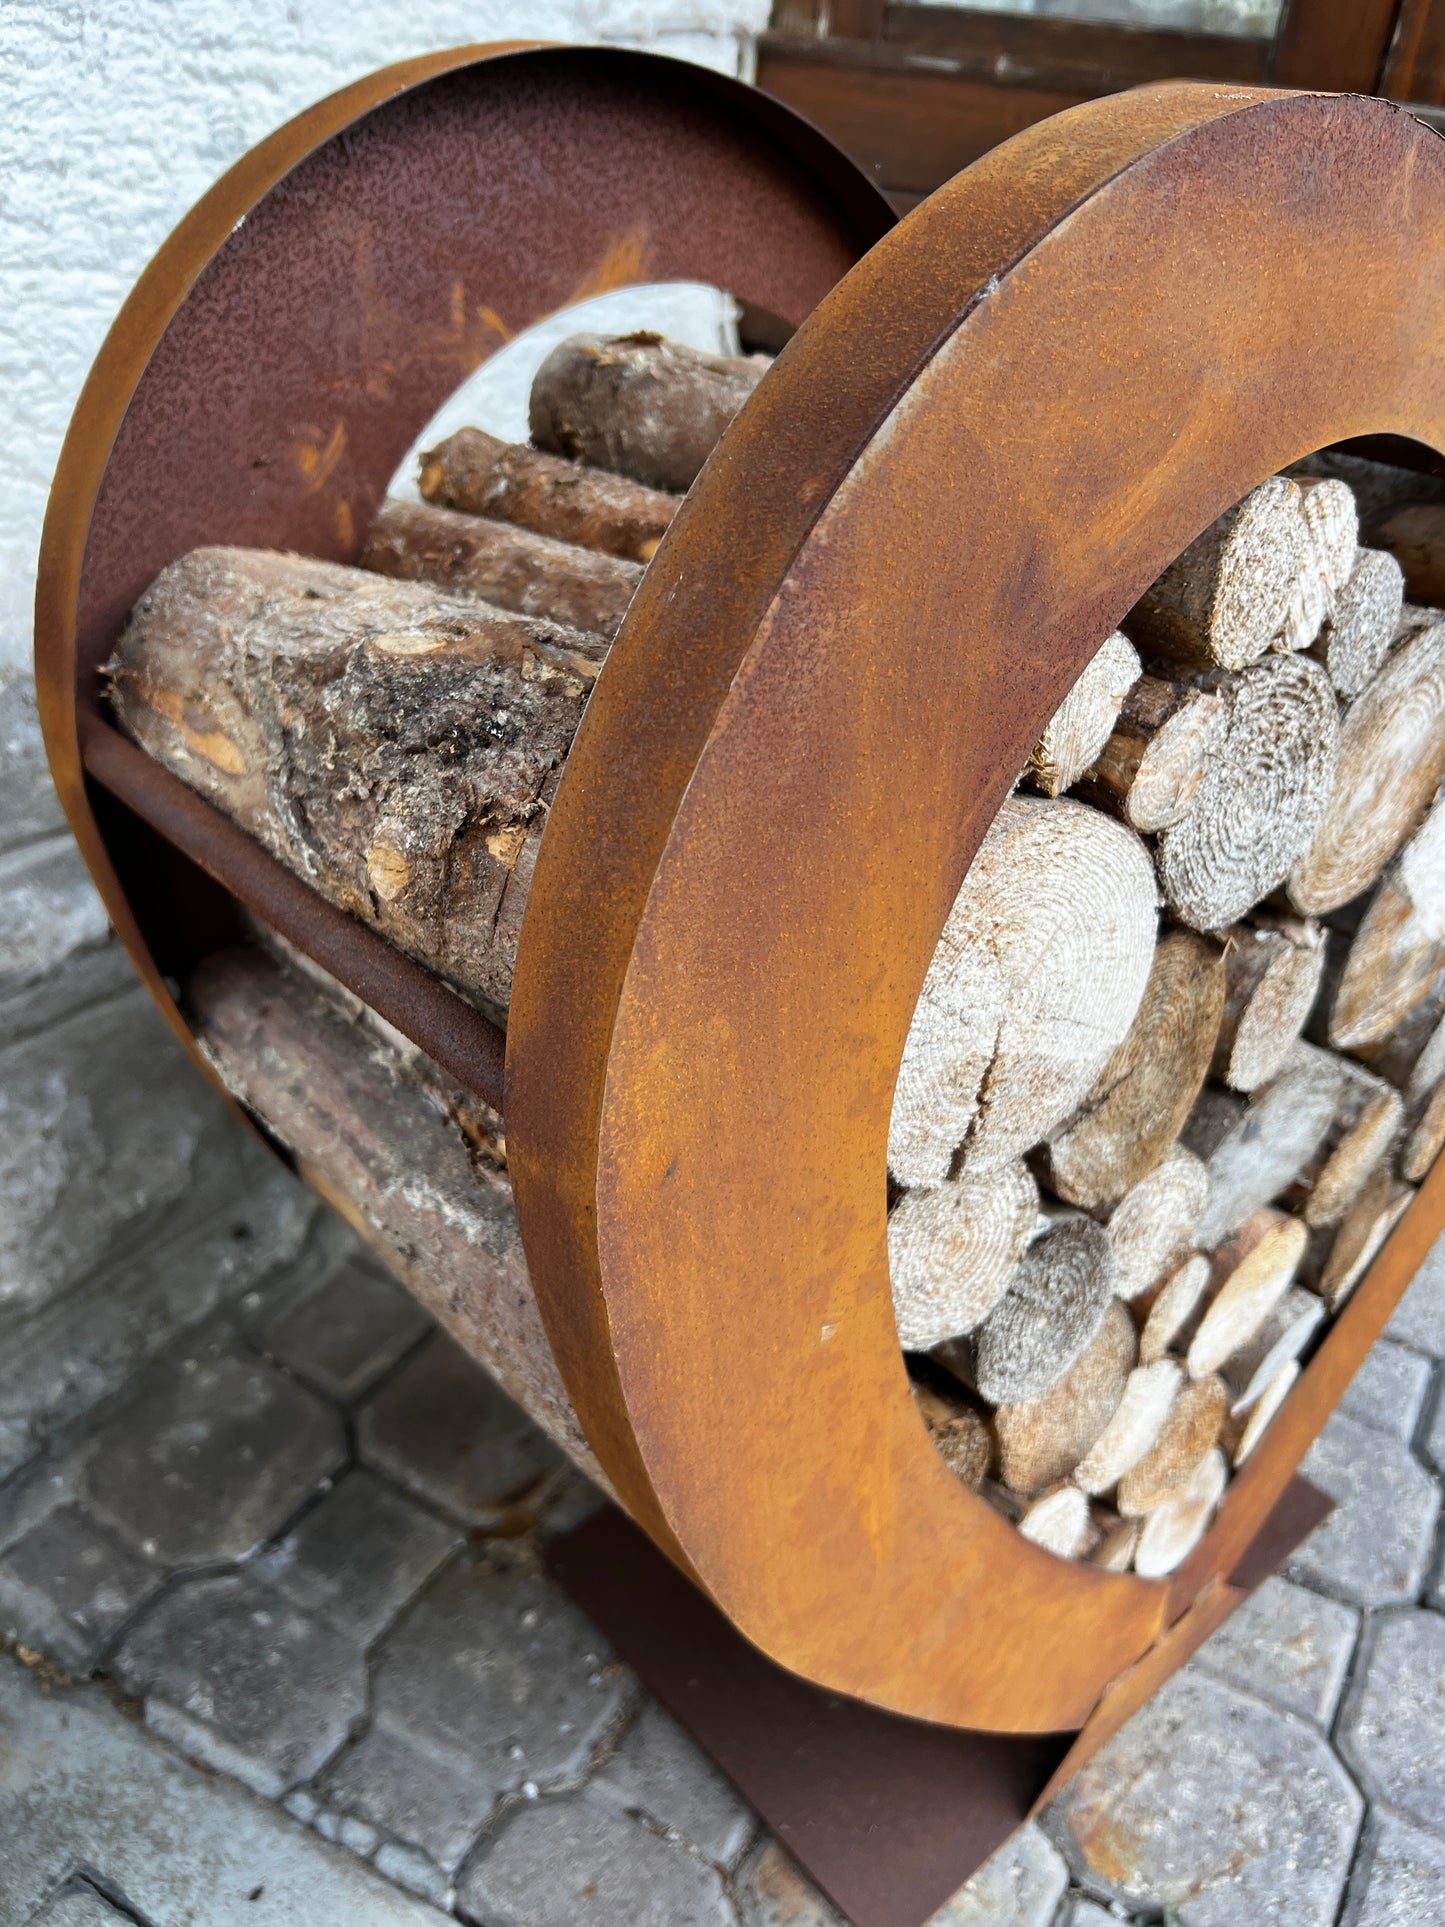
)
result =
(954, 482)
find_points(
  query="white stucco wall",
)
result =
(115, 115)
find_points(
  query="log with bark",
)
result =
(1150, 769)
(1084, 721)
(1133, 1428)
(1273, 965)
(959, 1434)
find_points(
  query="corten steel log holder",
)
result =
(996, 423)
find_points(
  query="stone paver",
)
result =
(1419, 1318)
(358, 1556)
(1020, 1886)
(346, 1333)
(69, 1585)
(1392, 1727)
(773, 1892)
(79, 1905)
(212, 1454)
(491, 1683)
(1388, 1391)
(582, 1863)
(1399, 1880)
(1214, 1804)
(445, 1428)
(658, 1771)
(82, 1786)
(1373, 1550)
(1087, 1913)
(1286, 1645)
(240, 1678)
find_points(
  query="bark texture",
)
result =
(1151, 768)
(959, 1434)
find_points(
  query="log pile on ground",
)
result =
(1127, 1195)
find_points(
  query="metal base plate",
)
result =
(888, 1816)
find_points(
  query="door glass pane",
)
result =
(1240, 19)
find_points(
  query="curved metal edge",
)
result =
(578, 1094)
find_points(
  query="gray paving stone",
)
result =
(85, 1787)
(1388, 1391)
(1087, 1913)
(1216, 1805)
(491, 1682)
(657, 1770)
(346, 1333)
(445, 1428)
(1020, 1886)
(211, 1454)
(1374, 1548)
(409, 1867)
(773, 1891)
(1392, 1728)
(358, 1556)
(79, 1905)
(69, 1585)
(582, 1863)
(1399, 1878)
(1419, 1318)
(49, 911)
(84, 978)
(238, 1677)
(1287, 1645)
(18, 1445)
(29, 807)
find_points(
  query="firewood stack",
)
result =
(1179, 1058)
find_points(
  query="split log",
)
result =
(1174, 1529)
(1348, 1255)
(1058, 1299)
(1155, 1221)
(1368, 1121)
(1059, 1523)
(1041, 1440)
(1412, 1056)
(474, 471)
(1149, 771)
(511, 568)
(1399, 949)
(1226, 598)
(1426, 1139)
(1036, 980)
(1187, 1436)
(1281, 1338)
(366, 1130)
(1390, 764)
(1134, 1428)
(638, 405)
(1263, 798)
(1243, 1432)
(1084, 721)
(959, 1434)
(1254, 1151)
(394, 746)
(1273, 967)
(952, 1251)
(1140, 1101)
(1173, 1308)
(1249, 1275)
(1332, 535)
(1358, 634)
(1415, 536)
(1118, 1539)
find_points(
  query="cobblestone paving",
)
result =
(280, 1646)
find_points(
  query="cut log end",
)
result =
(1041, 1440)
(952, 1251)
(1058, 1299)
(1084, 721)
(1155, 1222)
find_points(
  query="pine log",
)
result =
(959, 1434)
(1358, 634)
(1118, 1540)
(394, 746)
(1242, 1432)
(1036, 979)
(1041, 1440)
(474, 471)
(1059, 1523)
(638, 405)
(1154, 1222)
(1249, 1275)
(1254, 1151)
(1226, 598)
(1187, 1436)
(395, 1152)
(1345, 1257)
(1426, 1139)
(1134, 1427)
(1263, 798)
(1332, 533)
(1172, 1531)
(1150, 769)
(1379, 488)
(1415, 536)
(1273, 967)
(1140, 1100)
(1390, 763)
(1058, 1299)
(1173, 1308)
(1368, 1121)
(1282, 1337)
(1412, 1055)
(511, 568)
(1398, 950)
(1084, 721)
(952, 1251)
